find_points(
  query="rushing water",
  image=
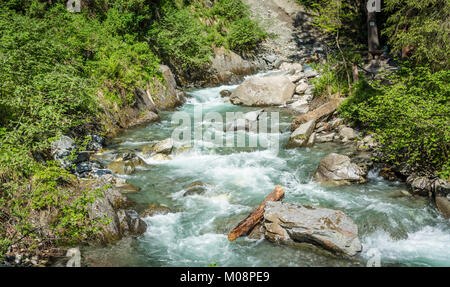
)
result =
(405, 231)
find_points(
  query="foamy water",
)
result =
(404, 230)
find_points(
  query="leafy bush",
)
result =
(180, 39)
(245, 35)
(411, 117)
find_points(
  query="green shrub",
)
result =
(245, 35)
(411, 117)
(180, 38)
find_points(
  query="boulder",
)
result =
(130, 223)
(301, 135)
(229, 67)
(301, 88)
(263, 91)
(324, 228)
(443, 204)
(162, 147)
(322, 111)
(166, 95)
(420, 185)
(337, 169)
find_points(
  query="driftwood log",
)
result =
(246, 225)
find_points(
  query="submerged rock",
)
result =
(337, 169)
(325, 228)
(196, 187)
(155, 209)
(246, 122)
(263, 91)
(160, 157)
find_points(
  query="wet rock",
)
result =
(443, 205)
(441, 187)
(155, 209)
(161, 147)
(183, 149)
(263, 91)
(196, 187)
(160, 157)
(420, 185)
(225, 93)
(96, 142)
(130, 223)
(301, 135)
(387, 174)
(325, 228)
(122, 167)
(257, 232)
(338, 169)
(101, 172)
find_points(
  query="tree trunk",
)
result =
(256, 216)
(373, 41)
(355, 73)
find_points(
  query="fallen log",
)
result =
(256, 216)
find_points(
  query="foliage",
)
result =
(411, 117)
(186, 34)
(180, 39)
(423, 26)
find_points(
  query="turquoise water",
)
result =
(404, 230)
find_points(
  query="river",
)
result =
(401, 230)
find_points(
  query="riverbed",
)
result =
(401, 230)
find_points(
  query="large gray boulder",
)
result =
(263, 91)
(325, 228)
(338, 169)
